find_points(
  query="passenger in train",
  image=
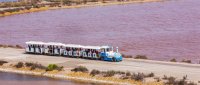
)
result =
(42, 48)
(39, 47)
(29, 47)
(53, 49)
(58, 49)
(34, 48)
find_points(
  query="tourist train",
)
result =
(105, 53)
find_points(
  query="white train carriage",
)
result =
(35, 47)
(105, 53)
(72, 50)
(53, 48)
(91, 52)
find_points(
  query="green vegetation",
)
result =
(52, 67)
(34, 66)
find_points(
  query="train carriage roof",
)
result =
(55, 44)
(66, 45)
(35, 42)
(91, 47)
(105, 46)
(73, 46)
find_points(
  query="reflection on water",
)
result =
(160, 30)
(19, 79)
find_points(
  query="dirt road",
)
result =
(160, 68)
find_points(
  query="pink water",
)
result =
(159, 30)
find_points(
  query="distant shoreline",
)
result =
(90, 4)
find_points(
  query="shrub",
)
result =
(128, 74)
(186, 61)
(19, 65)
(165, 77)
(157, 79)
(27, 7)
(35, 65)
(39, 66)
(173, 60)
(127, 56)
(28, 64)
(120, 72)
(52, 67)
(191, 83)
(18, 46)
(4, 46)
(11, 46)
(125, 77)
(80, 69)
(150, 75)
(141, 57)
(138, 77)
(171, 81)
(109, 73)
(2, 62)
(94, 72)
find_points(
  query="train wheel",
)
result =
(114, 59)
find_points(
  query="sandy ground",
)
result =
(160, 68)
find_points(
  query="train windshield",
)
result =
(107, 49)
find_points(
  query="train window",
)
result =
(107, 50)
(104, 50)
